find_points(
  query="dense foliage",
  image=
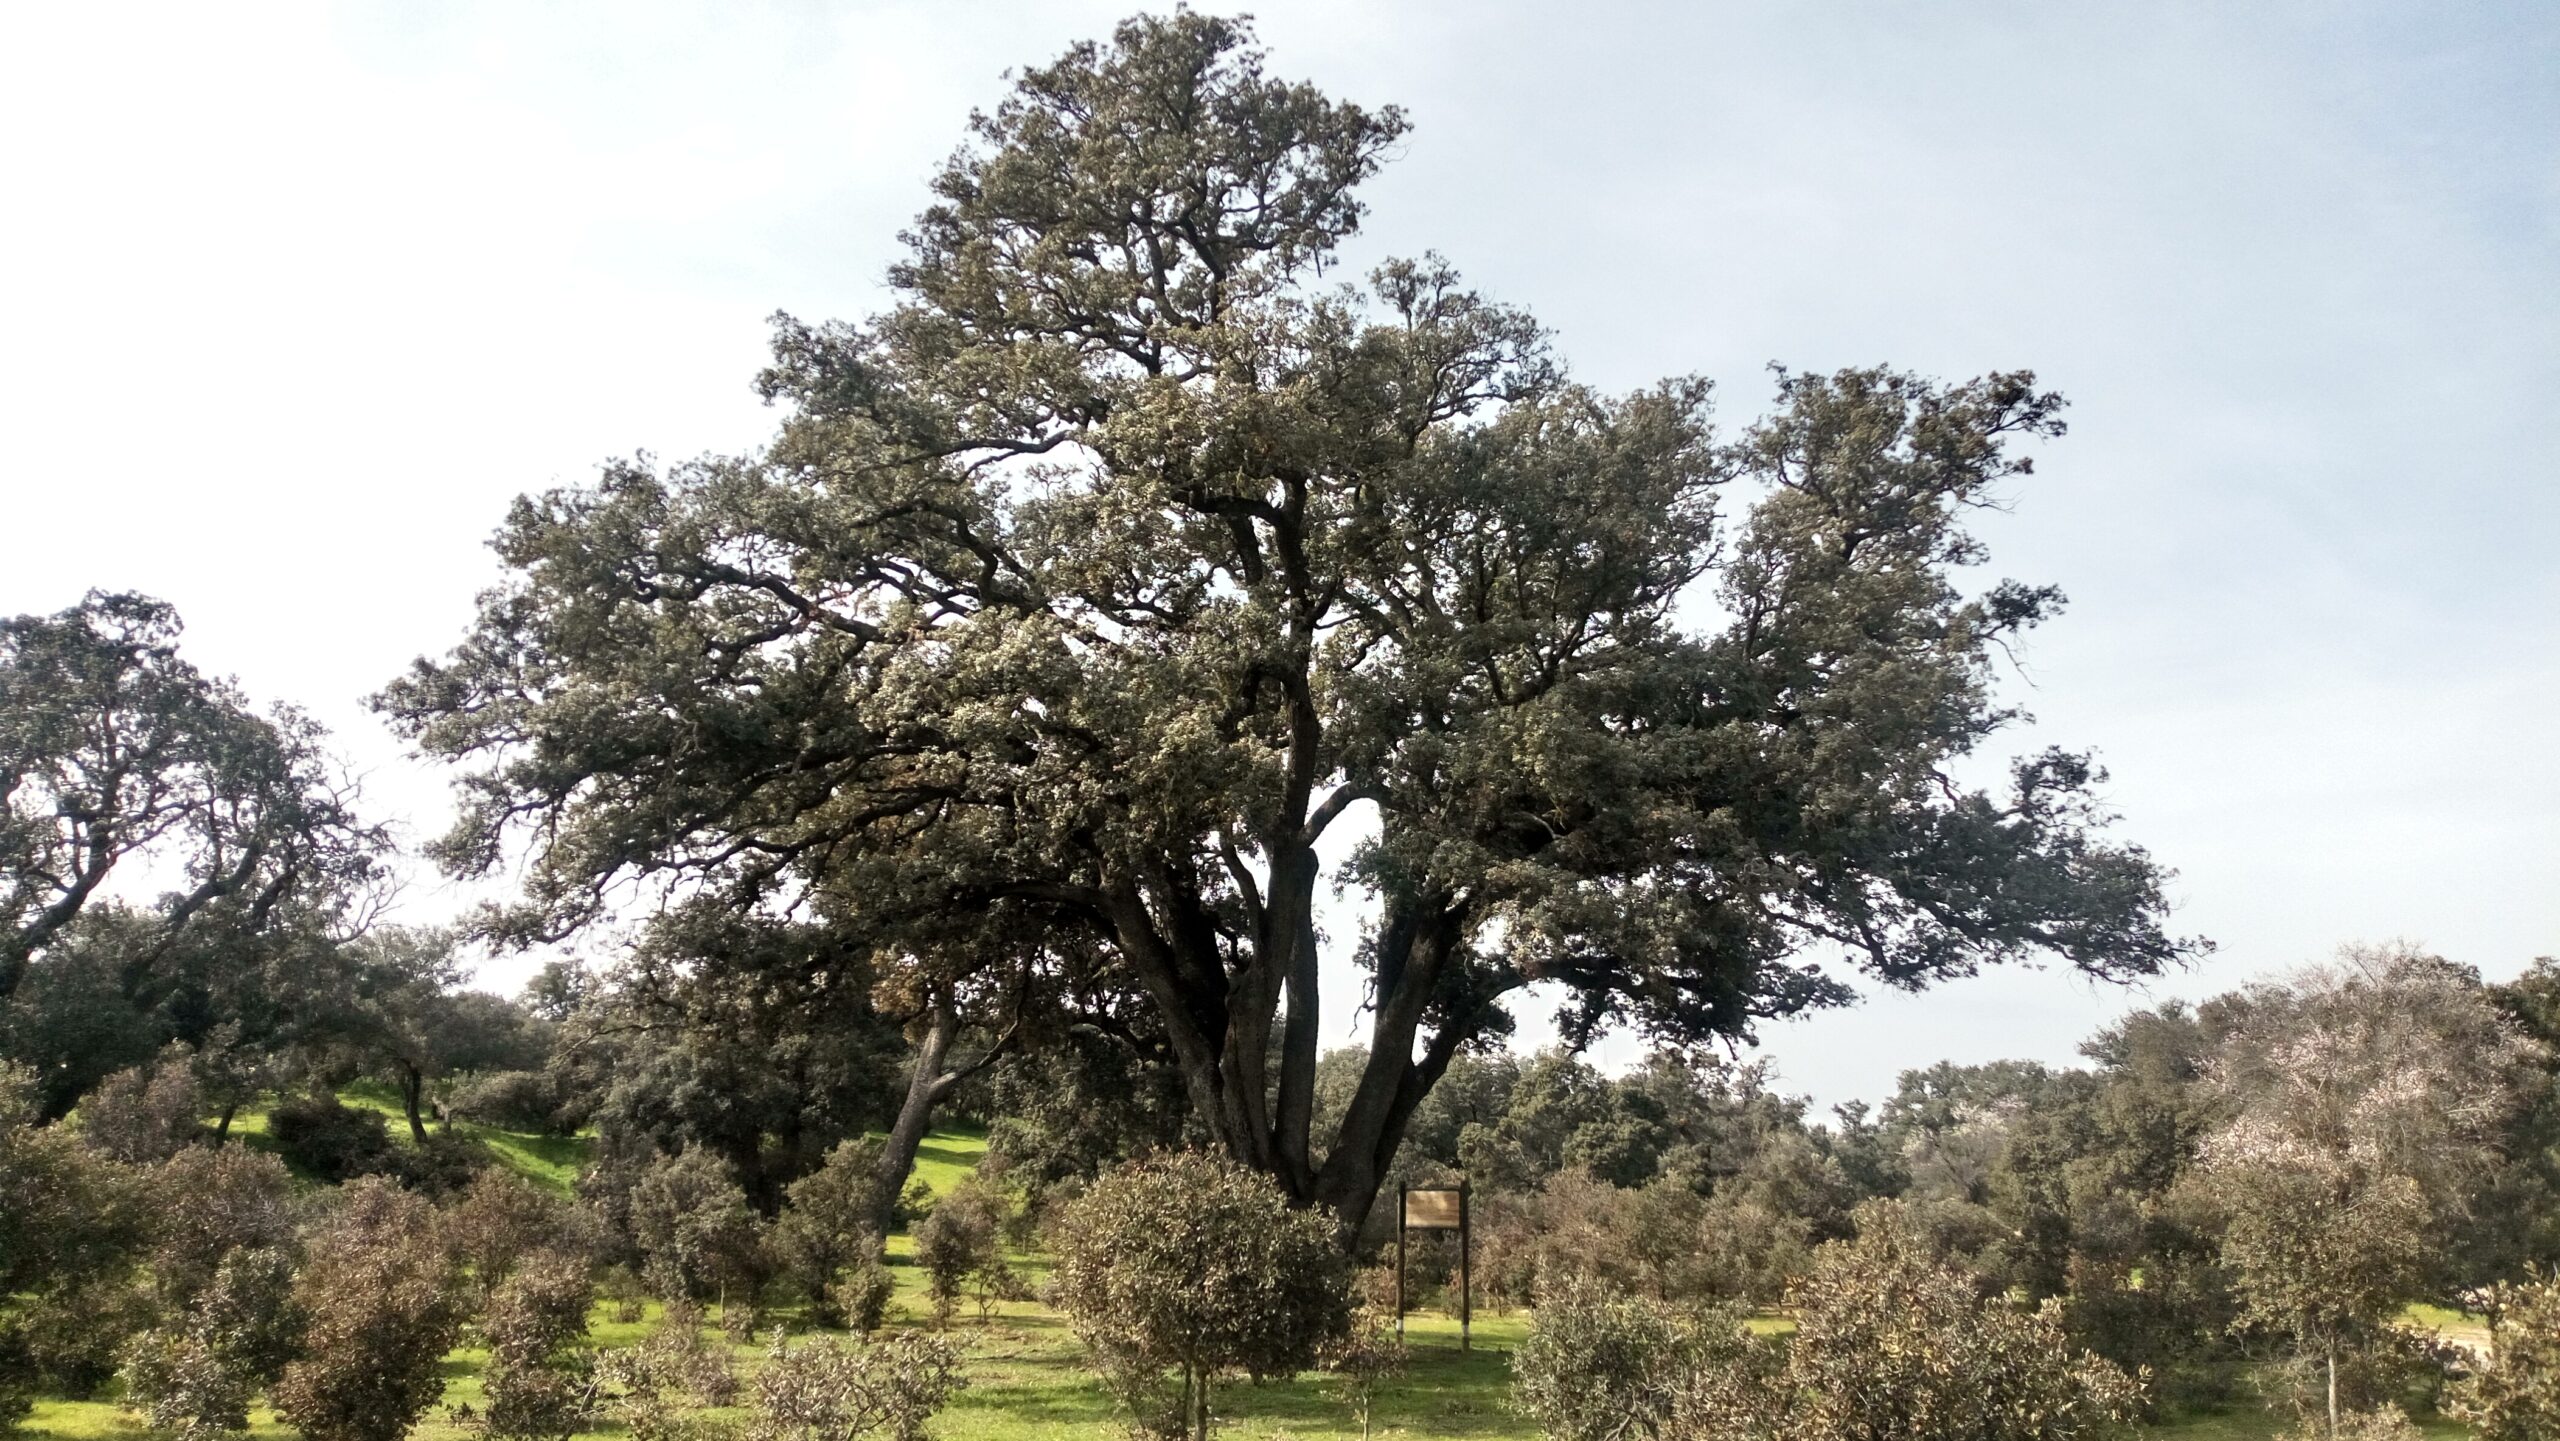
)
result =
(1185, 1270)
(1088, 589)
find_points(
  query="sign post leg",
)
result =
(1466, 1276)
(1400, 1263)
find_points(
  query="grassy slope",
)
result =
(1026, 1383)
(552, 1162)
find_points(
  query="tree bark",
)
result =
(413, 1087)
(927, 1086)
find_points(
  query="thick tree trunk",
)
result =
(927, 1084)
(1219, 1021)
(222, 1124)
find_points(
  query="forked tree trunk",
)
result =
(928, 1085)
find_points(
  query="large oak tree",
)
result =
(1090, 590)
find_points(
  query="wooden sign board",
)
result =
(1431, 1210)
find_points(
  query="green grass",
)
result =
(1027, 1381)
(550, 1161)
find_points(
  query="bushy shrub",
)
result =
(1183, 1270)
(683, 1357)
(1599, 1364)
(1883, 1328)
(324, 1138)
(861, 1292)
(440, 1167)
(384, 1303)
(2515, 1396)
(182, 1386)
(193, 1378)
(510, 1100)
(538, 1376)
(213, 1202)
(824, 1232)
(696, 1234)
(828, 1391)
(501, 1218)
(72, 1225)
(77, 1335)
(145, 1114)
(952, 1245)
(1366, 1353)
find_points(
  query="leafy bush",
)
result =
(144, 1115)
(1367, 1352)
(860, 1294)
(194, 1379)
(325, 1138)
(511, 1100)
(183, 1387)
(955, 1243)
(385, 1308)
(678, 1356)
(195, 1375)
(827, 1391)
(1891, 1342)
(72, 1224)
(538, 1376)
(2516, 1395)
(1180, 1271)
(77, 1335)
(440, 1167)
(824, 1232)
(214, 1202)
(502, 1218)
(696, 1234)
(1601, 1365)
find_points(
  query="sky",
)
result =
(294, 299)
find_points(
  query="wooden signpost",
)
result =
(1437, 1208)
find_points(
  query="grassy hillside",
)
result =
(549, 1161)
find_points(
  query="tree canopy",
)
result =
(1088, 591)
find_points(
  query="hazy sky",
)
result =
(294, 299)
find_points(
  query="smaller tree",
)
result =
(698, 1237)
(539, 1375)
(214, 1204)
(827, 1391)
(385, 1307)
(1181, 1271)
(502, 1219)
(1602, 1365)
(2515, 1396)
(143, 1115)
(960, 1244)
(193, 1378)
(1367, 1353)
(71, 1225)
(2367, 1098)
(1886, 1331)
(824, 1230)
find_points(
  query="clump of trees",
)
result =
(1889, 1343)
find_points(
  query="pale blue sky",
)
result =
(293, 299)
